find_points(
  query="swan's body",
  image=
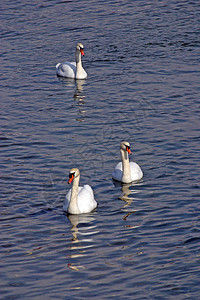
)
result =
(126, 171)
(79, 200)
(72, 69)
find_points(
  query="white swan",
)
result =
(124, 171)
(72, 69)
(79, 200)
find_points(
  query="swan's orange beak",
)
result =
(128, 149)
(82, 52)
(71, 177)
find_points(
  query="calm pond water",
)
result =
(142, 60)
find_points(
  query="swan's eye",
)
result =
(127, 147)
(71, 175)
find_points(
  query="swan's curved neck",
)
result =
(126, 171)
(78, 62)
(73, 206)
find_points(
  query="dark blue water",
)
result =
(142, 60)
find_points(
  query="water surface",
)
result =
(142, 60)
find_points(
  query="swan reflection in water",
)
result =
(125, 188)
(82, 231)
(127, 197)
(78, 95)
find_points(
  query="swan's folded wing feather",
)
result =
(66, 69)
(136, 172)
(86, 201)
(89, 189)
(67, 199)
(117, 172)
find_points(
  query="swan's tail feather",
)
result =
(58, 65)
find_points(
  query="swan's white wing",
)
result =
(72, 63)
(117, 172)
(136, 172)
(89, 189)
(86, 201)
(67, 199)
(66, 69)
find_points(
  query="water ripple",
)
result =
(142, 241)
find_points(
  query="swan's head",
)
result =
(73, 174)
(125, 146)
(80, 47)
